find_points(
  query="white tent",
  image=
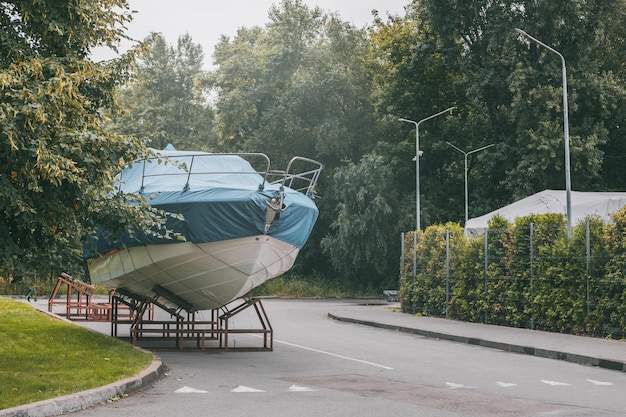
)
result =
(554, 201)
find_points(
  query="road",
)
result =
(321, 367)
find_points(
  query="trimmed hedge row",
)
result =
(522, 274)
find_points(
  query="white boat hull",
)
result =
(205, 275)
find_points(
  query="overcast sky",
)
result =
(207, 20)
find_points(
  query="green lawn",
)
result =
(42, 357)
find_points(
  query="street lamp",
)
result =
(568, 186)
(417, 161)
(465, 154)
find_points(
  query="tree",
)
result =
(57, 160)
(361, 242)
(255, 73)
(508, 92)
(412, 81)
(518, 84)
(168, 101)
(297, 86)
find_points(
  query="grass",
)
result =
(298, 286)
(42, 357)
(38, 286)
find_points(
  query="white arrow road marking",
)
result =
(452, 385)
(556, 383)
(297, 388)
(241, 388)
(189, 390)
(599, 382)
(506, 384)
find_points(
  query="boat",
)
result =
(233, 227)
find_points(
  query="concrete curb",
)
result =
(84, 399)
(614, 365)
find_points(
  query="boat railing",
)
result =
(300, 175)
(303, 180)
(251, 155)
(188, 170)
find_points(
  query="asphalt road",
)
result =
(321, 367)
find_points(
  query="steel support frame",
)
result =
(183, 328)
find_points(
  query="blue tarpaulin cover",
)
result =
(219, 196)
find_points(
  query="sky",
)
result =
(207, 20)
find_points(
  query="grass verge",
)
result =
(300, 286)
(42, 357)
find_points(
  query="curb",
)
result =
(80, 400)
(613, 365)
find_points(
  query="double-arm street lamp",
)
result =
(568, 186)
(466, 154)
(417, 161)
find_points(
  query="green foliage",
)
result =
(295, 285)
(57, 160)
(308, 83)
(168, 100)
(614, 285)
(365, 199)
(297, 86)
(508, 92)
(531, 275)
(469, 301)
(430, 285)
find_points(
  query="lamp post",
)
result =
(465, 154)
(417, 161)
(568, 186)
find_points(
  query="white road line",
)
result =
(333, 354)
(453, 385)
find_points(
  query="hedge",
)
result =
(525, 273)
